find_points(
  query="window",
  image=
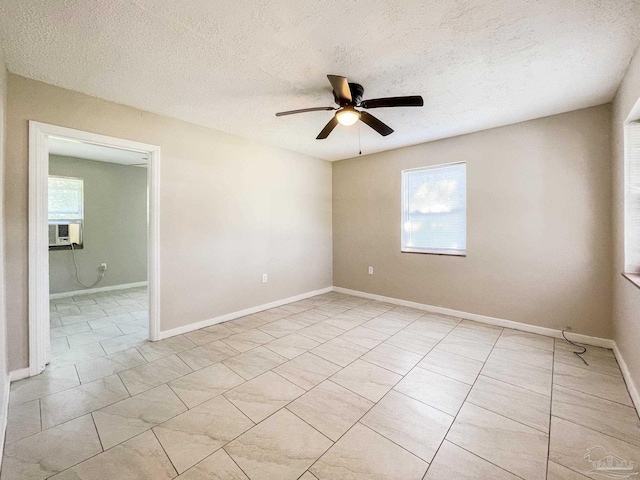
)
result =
(434, 209)
(632, 199)
(65, 199)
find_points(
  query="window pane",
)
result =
(65, 198)
(435, 208)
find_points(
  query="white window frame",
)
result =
(69, 220)
(631, 197)
(404, 248)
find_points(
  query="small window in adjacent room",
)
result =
(434, 209)
(65, 199)
(632, 199)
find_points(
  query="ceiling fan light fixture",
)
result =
(347, 116)
(349, 95)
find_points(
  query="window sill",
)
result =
(54, 248)
(633, 278)
(447, 253)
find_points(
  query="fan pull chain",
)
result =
(359, 142)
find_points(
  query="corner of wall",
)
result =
(4, 376)
(626, 297)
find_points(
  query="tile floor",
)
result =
(332, 387)
(90, 326)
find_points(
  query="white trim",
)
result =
(19, 374)
(4, 416)
(39, 134)
(435, 251)
(38, 253)
(524, 327)
(241, 313)
(626, 374)
(87, 291)
(153, 250)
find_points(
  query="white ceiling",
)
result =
(231, 65)
(99, 153)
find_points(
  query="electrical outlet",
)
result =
(370, 270)
(264, 278)
(103, 266)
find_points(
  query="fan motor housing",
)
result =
(357, 91)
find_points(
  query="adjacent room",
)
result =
(319, 241)
(97, 217)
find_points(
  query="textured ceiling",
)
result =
(231, 65)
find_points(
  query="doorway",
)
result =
(93, 311)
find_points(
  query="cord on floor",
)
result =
(577, 354)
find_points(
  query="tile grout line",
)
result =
(482, 458)
(634, 446)
(504, 416)
(95, 426)
(513, 384)
(161, 446)
(390, 440)
(553, 369)
(520, 362)
(86, 459)
(392, 388)
(346, 388)
(596, 396)
(455, 417)
(228, 455)
(178, 396)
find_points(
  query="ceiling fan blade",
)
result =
(410, 101)
(382, 128)
(341, 88)
(327, 129)
(303, 110)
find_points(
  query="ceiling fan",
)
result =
(349, 96)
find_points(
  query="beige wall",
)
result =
(115, 225)
(539, 243)
(626, 296)
(231, 210)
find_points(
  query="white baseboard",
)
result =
(525, 327)
(242, 313)
(98, 289)
(19, 374)
(631, 385)
(4, 414)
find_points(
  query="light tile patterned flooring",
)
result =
(89, 326)
(332, 387)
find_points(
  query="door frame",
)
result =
(39, 314)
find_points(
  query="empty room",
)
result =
(358, 240)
